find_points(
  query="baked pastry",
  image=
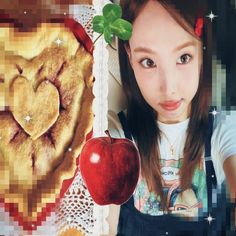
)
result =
(26, 14)
(72, 231)
(46, 112)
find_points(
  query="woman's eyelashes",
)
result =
(184, 59)
(148, 63)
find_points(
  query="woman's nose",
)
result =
(168, 81)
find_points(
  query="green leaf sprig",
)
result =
(111, 23)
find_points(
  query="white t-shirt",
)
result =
(223, 145)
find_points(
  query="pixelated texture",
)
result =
(45, 100)
(27, 13)
(224, 83)
(224, 58)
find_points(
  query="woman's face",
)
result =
(166, 61)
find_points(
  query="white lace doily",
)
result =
(84, 15)
(76, 209)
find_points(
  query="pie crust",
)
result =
(45, 113)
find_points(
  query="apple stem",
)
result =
(108, 134)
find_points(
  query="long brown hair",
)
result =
(142, 118)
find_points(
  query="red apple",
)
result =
(110, 169)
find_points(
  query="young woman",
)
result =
(166, 75)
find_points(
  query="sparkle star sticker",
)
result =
(211, 16)
(27, 118)
(58, 42)
(209, 219)
(214, 112)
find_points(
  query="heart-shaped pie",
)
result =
(46, 112)
(34, 119)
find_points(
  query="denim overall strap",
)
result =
(124, 124)
(210, 172)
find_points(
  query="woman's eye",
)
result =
(184, 59)
(148, 63)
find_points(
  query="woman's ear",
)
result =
(127, 49)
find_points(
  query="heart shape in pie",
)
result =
(29, 106)
(46, 113)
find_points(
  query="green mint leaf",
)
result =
(121, 28)
(98, 24)
(112, 12)
(108, 35)
(111, 23)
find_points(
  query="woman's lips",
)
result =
(171, 105)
